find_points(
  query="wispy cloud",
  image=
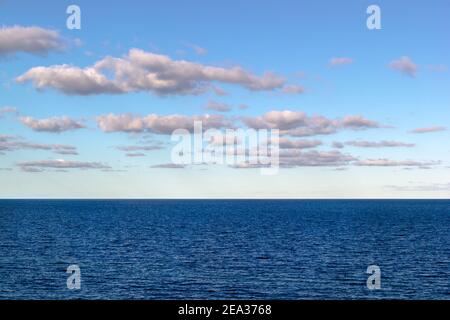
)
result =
(299, 124)
(140, 148)
(293, 89)
(8, 110)
(379, 144)
(337, 145)
(54, 124)
(296, 158)
(429, 129)
(404, 65)
(38, 166)
(357, 122)
(334, 62)
(395, 163)
(197, 49)
(158, 124)
(286, 143)
(13, 143)
(219, 91)
(169, 166)
(135, 154)
(293, 158)
(217, 106)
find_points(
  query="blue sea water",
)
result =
(224, 249)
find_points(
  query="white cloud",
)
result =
(282, 120)
(71, 80)
(54, 124)
(298, 124)
(145, 71)
(358, 122)
(159, 124)
(33, 40)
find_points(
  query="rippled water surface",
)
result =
(222, 249)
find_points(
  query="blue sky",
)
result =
(396, 78)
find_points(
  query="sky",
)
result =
(89, 112)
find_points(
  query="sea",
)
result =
(224, 249)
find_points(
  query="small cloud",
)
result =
(429, 129)
(197, 49)
(219, 91)
(55, 124)
(358, 122)
(379, 144)
(299, 124)
(136, 154)
(340, 169)
(69, 152)
(286, 143)
(32, 40)
(404, 65)
(246, 165)
(291, 158)
(158, 124)
(89, 53)
(293, 89)
(8, 110)
(60, 164)
(334, 62)
(142, 148)
(13, 143)
(243, 107)
(77, 42)
(152, 147)
(337, 145)
(394, 163)
(217, 106)
(169, 166)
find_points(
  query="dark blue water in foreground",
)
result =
(224, 249)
